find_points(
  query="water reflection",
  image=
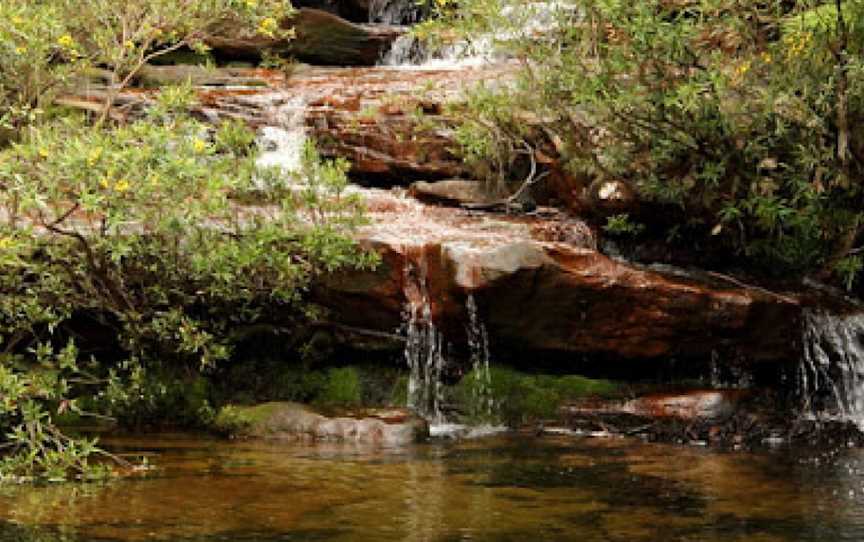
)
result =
(492, 489)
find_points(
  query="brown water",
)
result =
(491, 489)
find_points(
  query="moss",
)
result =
(239, 420)
(518, 398)
(342, 388)
(399, 392)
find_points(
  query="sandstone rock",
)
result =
(374, 117)
(538, 297)
(319, 38)
(294, 421)
(693, 405)
(452, 191)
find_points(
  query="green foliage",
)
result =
(621, 225)
(46, 45)
(139, 227)
(237, 420)
(747, 116)
(31, 388)
(519, 398)
(36, 60)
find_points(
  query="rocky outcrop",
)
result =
(453, 192)
(376, 118)
(293, 421)
(542, 289)
(319, 38)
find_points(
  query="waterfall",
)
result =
(478, 343)
(424, 344)
(831, 374)
(426, 356)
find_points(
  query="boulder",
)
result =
(293, 421)
(319, 38)
(453, 192)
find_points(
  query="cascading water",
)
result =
(424, 344)
(426, 356)
(282, 145)
(478, 342)
(519, 20)
(831, 374)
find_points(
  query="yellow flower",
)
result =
(5, 242)
(122, 185)
(267, 26)
(129, 44)
(104, 182)
(17, 21)
(20, 50)
(43, 152)
(251, 4)
(199, 145)
(65, 41)
(94, 155)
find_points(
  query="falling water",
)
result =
(478, 342)
(424, 345)
(831, 375)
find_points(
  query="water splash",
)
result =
(424, 344)
(282, 145)
(831, 374)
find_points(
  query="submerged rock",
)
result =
(299, 422)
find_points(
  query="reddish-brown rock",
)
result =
(547, 296)
(319, 38)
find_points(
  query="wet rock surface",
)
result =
(389, 123)
(542, 288)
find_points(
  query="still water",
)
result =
(502, 488)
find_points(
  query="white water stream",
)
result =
(424, 344)
(831, 375)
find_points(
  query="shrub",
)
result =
(742, 121)
(136, 227)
